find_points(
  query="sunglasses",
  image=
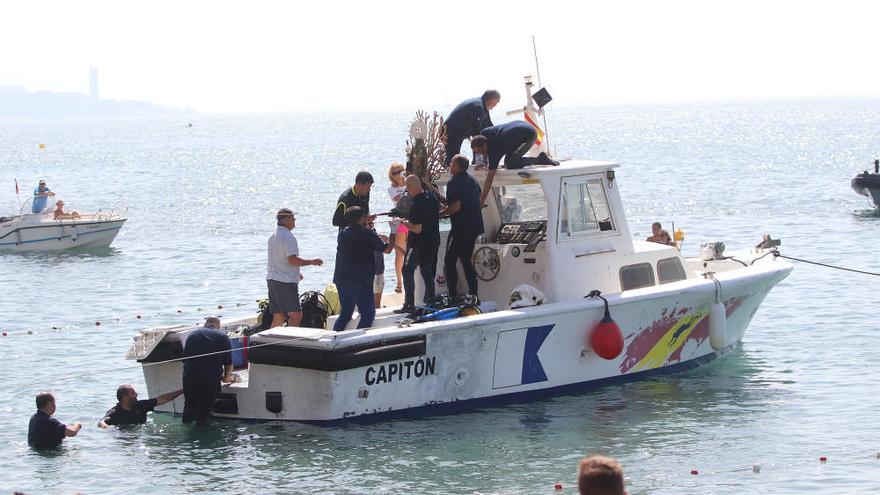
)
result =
(397, 172)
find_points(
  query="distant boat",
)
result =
(42, 232)
(868, 184)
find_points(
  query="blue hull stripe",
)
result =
(512, 398)
(58, 238)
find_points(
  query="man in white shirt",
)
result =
(283, 271)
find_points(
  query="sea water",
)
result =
(201, 203)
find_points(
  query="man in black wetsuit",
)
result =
(129, 410)
(463, 197)
(511, 141)
(358, 195)
(468, 119)
(421, 243)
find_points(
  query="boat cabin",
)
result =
(563, 230)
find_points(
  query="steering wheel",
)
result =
(487, 263)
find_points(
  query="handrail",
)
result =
(591, 253)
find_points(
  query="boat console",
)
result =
(530, 233)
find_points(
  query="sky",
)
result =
(261, 56)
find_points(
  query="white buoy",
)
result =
(717, 321)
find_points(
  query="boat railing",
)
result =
(115, 213)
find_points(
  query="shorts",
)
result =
(283, 297)
(378, 283)
(401, 229)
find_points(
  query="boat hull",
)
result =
(867, 185)
(496, 357)
(61, 235)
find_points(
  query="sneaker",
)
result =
(544, 159)
(405, 309)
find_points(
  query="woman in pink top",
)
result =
(396, 176)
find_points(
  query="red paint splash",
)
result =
(701, 331)
(647, 338)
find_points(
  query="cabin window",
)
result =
(636, 276)
(521, 203)
(584, 208)
(670, 270)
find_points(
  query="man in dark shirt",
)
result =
(358, 195)
(202, 374)
(129, 410)
(510, 141)
(463, 200)
(44, 431)
(356, 269)
(468, 119)
(421, 243)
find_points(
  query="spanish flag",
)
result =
(540, 136)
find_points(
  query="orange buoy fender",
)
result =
(607, 339)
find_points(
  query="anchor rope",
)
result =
(777, 254)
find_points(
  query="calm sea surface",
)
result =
(200, 204)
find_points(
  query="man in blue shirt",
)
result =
(422, 243)
(463, 200)
(202, 374)
(510, 141)
(467, 119)
(44, 431)
(356, 269)
(41, 197)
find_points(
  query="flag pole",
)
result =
(18, 195)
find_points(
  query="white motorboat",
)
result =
(41, 231)
(560, 229)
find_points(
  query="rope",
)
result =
(762, 256)
(734, 259)
(776, 254)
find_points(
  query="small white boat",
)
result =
(40, 231)
(560, 229)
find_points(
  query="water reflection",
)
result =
(433, 453)
(67, 255)
(872, 214)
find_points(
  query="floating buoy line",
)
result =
(206, 310)
(76, 375)
(754, 468)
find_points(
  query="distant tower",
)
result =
(93, 82)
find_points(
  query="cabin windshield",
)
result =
(584, 208)
(41, 204)
(521, 203)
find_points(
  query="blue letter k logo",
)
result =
(532, 371)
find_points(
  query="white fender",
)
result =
(74, 234)
(717, 326)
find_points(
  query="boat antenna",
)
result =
(543, 112)
(537, 66)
